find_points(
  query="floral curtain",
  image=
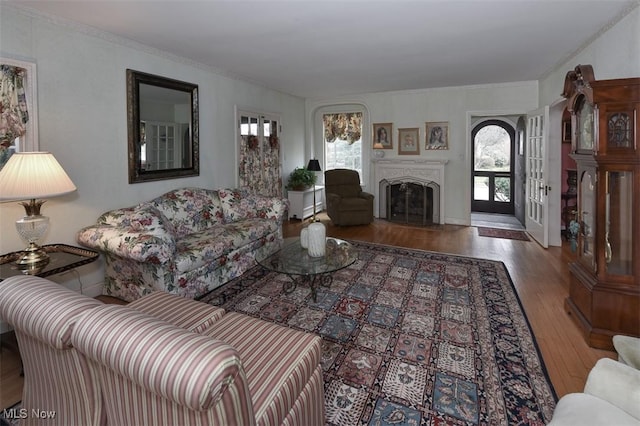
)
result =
(259, 168)
(250, 163)
(13, 105)
(272, 178)
(344, 126)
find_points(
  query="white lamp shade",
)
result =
(31, 175)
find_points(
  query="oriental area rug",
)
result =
(412, 338)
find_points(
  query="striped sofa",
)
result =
(161, 360)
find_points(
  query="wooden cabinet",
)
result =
(301, 202)
(604, 294)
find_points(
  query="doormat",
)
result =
(510, 234)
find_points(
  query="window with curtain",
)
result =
(259, 154)
(14, 114)
(343, 141)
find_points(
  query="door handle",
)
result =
(546, 189)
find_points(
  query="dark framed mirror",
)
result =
(162, 124)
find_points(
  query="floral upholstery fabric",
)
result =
(129, 280)
(182, 242)
(138, 233)
(195, 250)
(237, 204)
(190, 210)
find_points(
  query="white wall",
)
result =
(83, 122)
(613, 54)
(414, 108)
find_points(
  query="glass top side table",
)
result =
(62, 258)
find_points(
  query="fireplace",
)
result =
(425, 183)
(412, 201)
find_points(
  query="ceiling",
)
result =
(328, 48)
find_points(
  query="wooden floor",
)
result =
(541, 278)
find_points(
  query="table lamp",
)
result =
(28, 176)
(314, 166)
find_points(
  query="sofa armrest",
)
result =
(332, 198)
(616, 383)
(584, 409)
(367, 195)
(628, 349)
(141, 233)
(141, 246)
(42, 309)
(185, 313)
(194, 371)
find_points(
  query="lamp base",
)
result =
(33, 256)
(31, 229)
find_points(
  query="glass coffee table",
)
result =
(295, 262)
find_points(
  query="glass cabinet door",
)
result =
(587, 213)
(585, 133)
(618, 121)
(619, 130)
(619, 223)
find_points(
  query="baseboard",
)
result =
(452, 221)
(73, 281)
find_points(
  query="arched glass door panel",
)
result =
(492, 186)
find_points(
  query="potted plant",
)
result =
(301, 179)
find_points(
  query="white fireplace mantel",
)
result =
(394, 169)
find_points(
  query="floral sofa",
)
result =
(187, 242)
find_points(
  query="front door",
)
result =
(493, 150)
(537, 191)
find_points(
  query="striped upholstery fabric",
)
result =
(279, 363)
(57, 378)
(309, 407)
(177, 310)
(154, 373)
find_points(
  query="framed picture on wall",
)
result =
(437, 135)
(382, 136)
(408, 141)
